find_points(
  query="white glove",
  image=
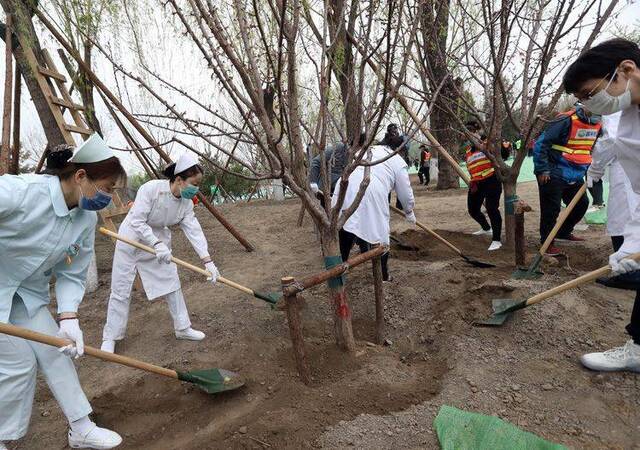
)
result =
(594, 175)
(410, 217)
(621, 264)
(163, 254)
(213, 270)
(314, 188)
(70, 329)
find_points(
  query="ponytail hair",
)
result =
(169, 172)
(58, 164)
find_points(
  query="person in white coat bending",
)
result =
(369, 224)
(159, 204)
(47, 229)
(606, 78)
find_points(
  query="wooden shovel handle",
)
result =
(30, 335)
(431, 232)
(179, 262)
(587, 277)
(562, 217)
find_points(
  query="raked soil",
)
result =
(526, 371)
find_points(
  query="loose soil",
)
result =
(526, 371)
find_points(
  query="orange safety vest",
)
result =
(582, 137)
(478, 165)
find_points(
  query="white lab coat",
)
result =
(155, 209)
(628, 153)
(37, 233)
(623, 201)
(370, 221)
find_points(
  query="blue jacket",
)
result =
(547, 161)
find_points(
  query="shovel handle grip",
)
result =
(561, 218)
(179, 262)
(431, 232)
(12, 330)
(587, 277)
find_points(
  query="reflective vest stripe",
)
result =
(479, 166)
(570, 151)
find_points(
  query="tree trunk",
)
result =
(338, 295)
(85, 87)
(510, 199)
(23, 26)
(434, 18)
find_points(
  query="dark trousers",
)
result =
(596, 193)
(552, 193)
(347, 240)
(423, 175)
(633, 327)
(486, 191)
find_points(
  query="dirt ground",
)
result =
(526, 371)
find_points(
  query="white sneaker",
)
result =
(190, 334)
(97, 437)
(495, 245)
(482, 232)
(592, 209)
(626, 357)
(108, 346)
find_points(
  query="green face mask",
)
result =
(188, 192)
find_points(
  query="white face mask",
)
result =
(604, 103)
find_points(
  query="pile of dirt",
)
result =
(526, 371)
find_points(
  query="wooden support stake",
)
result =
(14, 168)
(293, 305)
(520, 247)
(8, 93)
(379, 294)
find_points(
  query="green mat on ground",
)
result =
(461, 430)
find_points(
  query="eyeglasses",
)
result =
(591, 92)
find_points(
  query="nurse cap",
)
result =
(184, 162)
(92, 150)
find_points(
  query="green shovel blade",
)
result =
(531, 272)
(269, 298)
(212, 381)
(502, 309)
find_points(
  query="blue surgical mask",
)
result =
(99, 201)
(189, 191)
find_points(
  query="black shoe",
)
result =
(628, 281)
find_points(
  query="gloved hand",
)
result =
(213, 270)
(410, 217)
(70, 329)
(621, 264)
(594, 175)
(314, 188)
(163, 254)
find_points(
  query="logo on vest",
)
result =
(585, 133)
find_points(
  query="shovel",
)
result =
(273, 299)
(532, 272)
(468, 260)
(502, 308)
(211, 381)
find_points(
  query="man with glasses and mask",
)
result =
(606, 78)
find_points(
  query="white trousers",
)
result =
(19, 363)
(118, 314)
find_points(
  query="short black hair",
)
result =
(599, 62)
(394, 141)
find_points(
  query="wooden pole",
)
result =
(293, 305)
(5, 156)
(379, 295)
(134, 122)
(17, 98)
(520, 247)
(336, 271)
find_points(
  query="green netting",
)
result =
(461, 430)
